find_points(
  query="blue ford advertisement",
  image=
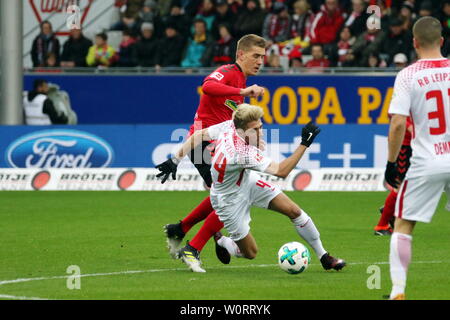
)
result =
(59, 149)
(347, 146)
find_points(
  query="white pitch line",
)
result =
(7, 296)
(20, 280)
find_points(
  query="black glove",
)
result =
(167, 167)
(309, 132)
(391, 174)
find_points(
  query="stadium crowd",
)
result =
(203, 33)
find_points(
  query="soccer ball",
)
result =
(293, 257)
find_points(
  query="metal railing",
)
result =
(205, 71)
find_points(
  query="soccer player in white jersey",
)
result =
(236, 185)
(421, 91)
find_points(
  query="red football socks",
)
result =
(198, 214)
(388, 210)
(210, 227)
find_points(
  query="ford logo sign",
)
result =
(59, 149)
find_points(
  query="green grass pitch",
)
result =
(116, 239)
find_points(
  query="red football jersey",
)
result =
(220, 96)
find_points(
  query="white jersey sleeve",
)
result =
(215, 130)
(401, 99)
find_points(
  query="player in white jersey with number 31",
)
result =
(421, 91)
(237, 186)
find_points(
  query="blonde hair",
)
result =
(250, 40)
(428, 32)
(245, 114)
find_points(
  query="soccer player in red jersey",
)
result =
(386, 222)
(223, 90)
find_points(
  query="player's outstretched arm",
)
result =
(282, 169)
(169, 167)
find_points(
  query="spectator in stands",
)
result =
(149, 14)
(146, 49)
(224, 50)
(171, 48)
(196, 49)
(425, 9)
(190, 7)
(374, 61)
(444, 17)
(302, 20)
(207, 14)
(51, 61)
(400, 61)
(276, 26)
(407, 15)
(130, 22)
(274, 61)
(39, 109)
(223, 15)
(101, 54)
(327, 23)
(357, 20)
(75, 50)
(366, 44)
(45, 43)
(130, 8)
(163, 7)
(318, 58)
(178, 18)
(295, 62)
(236, 6)
(249, 20)
(342, 49)
(126, 50)
(396, 40)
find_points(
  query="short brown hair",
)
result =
(428, 32)
(245, 114)
(250, 40)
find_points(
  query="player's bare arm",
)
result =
(396, 133)
(282, 169)
(397, 130)
(169, 167)
(190, 144)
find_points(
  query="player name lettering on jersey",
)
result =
(442, 148)
(433, 78)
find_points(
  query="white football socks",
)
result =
(399, 259)
(231, 246)
(307, 230)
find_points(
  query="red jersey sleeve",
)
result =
(216, 88)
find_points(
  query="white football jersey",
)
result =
(422, 91)
(234, 160)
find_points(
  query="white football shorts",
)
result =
(419, 197)
(234, 209)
